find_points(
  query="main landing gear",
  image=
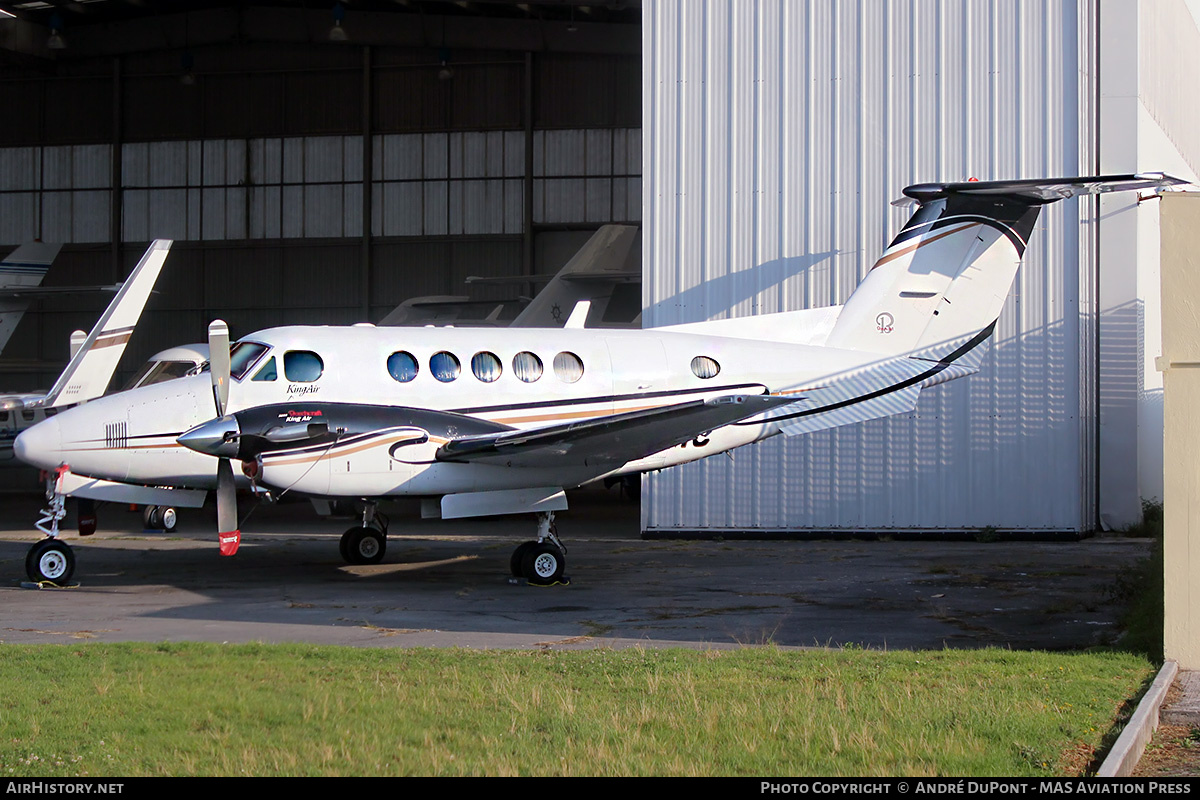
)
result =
(366, 544)
(51, 560)
(543, 560)
(162, 518)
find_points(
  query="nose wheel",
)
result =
(50, 560)
(543, 561)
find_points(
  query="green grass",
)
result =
(1141, 590)
(193, 709)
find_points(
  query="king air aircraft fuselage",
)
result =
(379, 436)
(494, 421)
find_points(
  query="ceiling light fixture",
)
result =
(337, 33)
(188, 76)
(56, 41)
(445, 72)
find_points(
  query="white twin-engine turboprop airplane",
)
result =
(500, 420)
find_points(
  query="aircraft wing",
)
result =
(91, 368)
(607, 441)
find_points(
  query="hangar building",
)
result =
(321, 162)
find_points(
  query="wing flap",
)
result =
(609, 440)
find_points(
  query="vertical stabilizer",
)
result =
(592, 274)
(92, 366)
(23, 268)
(945, 277)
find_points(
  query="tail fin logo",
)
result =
(885, 323)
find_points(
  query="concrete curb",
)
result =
(1133, 740)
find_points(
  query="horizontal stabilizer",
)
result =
(611, 440)
(1045, 190)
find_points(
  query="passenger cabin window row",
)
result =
(485, 366)
(305, 366)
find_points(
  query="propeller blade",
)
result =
(228, 534)
(218, 363)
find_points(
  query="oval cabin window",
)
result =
(705, 367)
(486, 366)
(444, 366)
(527, 367)
(568, 367)
(402, 366)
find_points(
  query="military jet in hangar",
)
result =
(498, 421)
(94, 356)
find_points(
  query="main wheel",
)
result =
(50, 560)
(148, 515)
(168, 517)
(543, 563)
(363, 546)
(516, 564)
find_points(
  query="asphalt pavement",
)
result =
(447, 583)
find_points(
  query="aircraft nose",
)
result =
(217, 437)
(40, 445)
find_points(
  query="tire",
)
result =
(363, 546)
(156, 517)
(147, 513)
(516, 564)
(169, 518)
(50, 560)
(543, 563)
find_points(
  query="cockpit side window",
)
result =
(268, 371)
(243, 355)
(302, 366)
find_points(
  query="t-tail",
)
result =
(22, 269)
(938, 289)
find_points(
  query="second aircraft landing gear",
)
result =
(543, 560)
(366, 544)
(160, 518)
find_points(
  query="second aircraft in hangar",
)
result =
(502, 420)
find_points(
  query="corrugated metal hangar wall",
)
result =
(776, 135)
(240, 133)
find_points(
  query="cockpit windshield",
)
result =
(243, 356)
(159, 371)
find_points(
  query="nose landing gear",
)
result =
(51, 560)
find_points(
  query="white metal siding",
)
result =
(777, 133)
